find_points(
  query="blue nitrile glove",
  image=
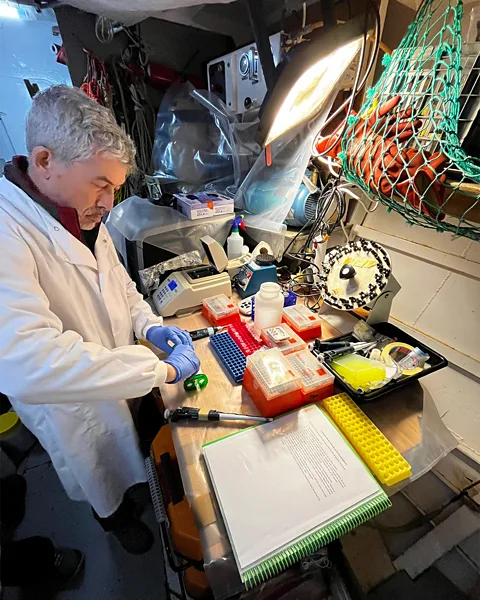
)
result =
(185, 362)
(160, 336)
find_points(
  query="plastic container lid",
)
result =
(273, 373)
(301, 317)
(282, 337)
(313, 375)
(220, 306)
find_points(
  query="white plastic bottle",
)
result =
(235, 241)
(268, 306)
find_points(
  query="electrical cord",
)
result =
(361, 85)
(303, 284)
(339, 131)
(423, 519)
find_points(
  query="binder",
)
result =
(287, 488)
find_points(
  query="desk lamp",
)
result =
(311, 75)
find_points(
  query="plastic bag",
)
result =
(137, 219)
(150, 277)
(267, 192)
(199, 145)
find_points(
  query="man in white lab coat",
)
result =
(68, 309)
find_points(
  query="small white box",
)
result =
(200, 205)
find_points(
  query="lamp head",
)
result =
(308, 80)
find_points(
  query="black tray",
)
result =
(436, 362)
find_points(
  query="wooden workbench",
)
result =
(397, 418)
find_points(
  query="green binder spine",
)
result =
(296, 552)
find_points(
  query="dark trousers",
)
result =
(27, 561)
(148, 423)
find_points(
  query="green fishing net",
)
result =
(404, 147)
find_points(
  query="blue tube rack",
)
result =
(230, 355)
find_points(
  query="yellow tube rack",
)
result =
(385, 462)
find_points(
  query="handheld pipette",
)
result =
(200, 414)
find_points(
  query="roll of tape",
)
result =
(394, 346)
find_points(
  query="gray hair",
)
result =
(74, 127)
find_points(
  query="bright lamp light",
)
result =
(308, 80)
(8, 12)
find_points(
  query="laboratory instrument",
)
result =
(245, 306)
(268, 306)
(241, 334)
(199, 414)
(199, 334)
(196, 383)
(322, 346)
(383, 333)
(303, 321)
(220, 310)
(237, 78)
(359, 372)
(415, 359)
(385, 462)
(230, 355)
(328, 355)
(146, 234)
(183, 292)
(200, 205)
(316, 382)
(284, 338)
(289, 298)
(272, 382)
(251, 276)
(359, 275)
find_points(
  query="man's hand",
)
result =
(185, 362)
(166, 338)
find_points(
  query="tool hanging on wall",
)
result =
(96, 84)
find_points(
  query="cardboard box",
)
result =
(200, 205)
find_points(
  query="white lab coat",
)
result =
(67, 359)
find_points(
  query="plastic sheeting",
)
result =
(267, 192)
(199, 145)
(132, 12)
(137, 219)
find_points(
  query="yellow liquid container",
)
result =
(357, 371)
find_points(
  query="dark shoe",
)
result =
(139, 494)
(134, 536)
(13, 490)
(68, 564)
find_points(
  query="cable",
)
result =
(345, 190)
(304, 284)
(361, 85)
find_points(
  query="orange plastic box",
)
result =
(220, 310)
(316, 382)
(282, 337)
(303, 321)
(272, 382)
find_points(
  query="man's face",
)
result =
(88, 186)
